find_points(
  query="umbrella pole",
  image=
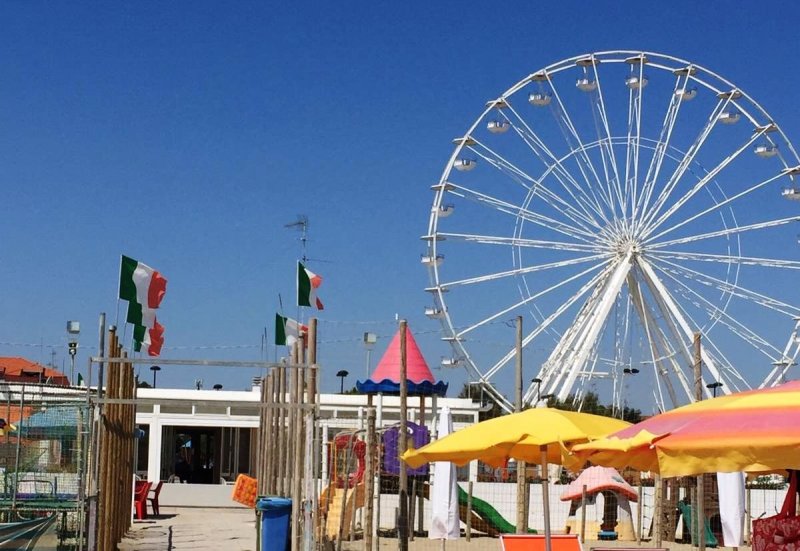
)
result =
(546, 499)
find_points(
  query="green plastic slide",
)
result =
(688, 518)
(489, 514)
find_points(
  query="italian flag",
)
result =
(150, 338)
(307, 284)
(287, 330)
(140, 283)
(144, 289)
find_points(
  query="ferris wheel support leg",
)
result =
(778, 372)
(595, 323)
(651, 330)
(664, 297)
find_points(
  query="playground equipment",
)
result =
(345, 494)
(688, 517)
(608, 508)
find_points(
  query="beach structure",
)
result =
(607, 504)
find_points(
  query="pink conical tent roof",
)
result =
(417, 369)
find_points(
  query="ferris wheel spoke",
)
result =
(703, 182)
(527, 300)
(583, 161)
(671, 308)
(545, 324)
(521, 271)
(529, 183)
(556, 167)
(519, 242)
(728, 259)
(719, 205)
(662, 146)
(726, 232)
(732, 288)
(573, 227)
(606, 147)
(720, 315)
(684, 164)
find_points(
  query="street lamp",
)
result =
(369, 341)
(714, 386)
(547, 397)
(538, 382)
(342, 374)
(73, 330)
(155, 369)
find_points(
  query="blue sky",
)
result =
(187, 134)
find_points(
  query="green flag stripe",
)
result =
(280, 330)
(127, 288)
(303, 286)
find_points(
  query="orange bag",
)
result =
(782, 531)
(244, 490)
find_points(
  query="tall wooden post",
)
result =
(369, 480)
(700, 517)
(658, 515)
(403, 441)
(522, 484)
(281, 431)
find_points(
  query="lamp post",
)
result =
(538, 382)
(342, 374)
(627, 371)
(369, 341)
(547, 397)
(73, 330)
(714, 386)
(155, 369)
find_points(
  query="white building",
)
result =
(221, 427)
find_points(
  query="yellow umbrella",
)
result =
(518, 436)
(536, 435)
(754, 431)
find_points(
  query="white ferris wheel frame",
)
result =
(594, 230)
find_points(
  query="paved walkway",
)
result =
(194, 528)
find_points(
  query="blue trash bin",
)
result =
(276, 514)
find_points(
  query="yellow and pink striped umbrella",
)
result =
(753, 431)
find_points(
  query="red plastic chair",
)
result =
(153, 499)
(140, 500)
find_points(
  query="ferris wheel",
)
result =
(619, 202)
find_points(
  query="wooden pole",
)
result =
(97, 427)
(281, 431)
(403, 441)
(583, 514)
(266, 445)
(658, 510)
(106, 519)
(700, 517)
(546, 499)
(345, 488)
(639, 530)
(469, 511)
(369, 480)
(522, 485)
(747, 517)
(297, 468)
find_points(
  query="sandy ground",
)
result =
(194, 528)
(205, 529)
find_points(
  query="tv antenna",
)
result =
(301, 224)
